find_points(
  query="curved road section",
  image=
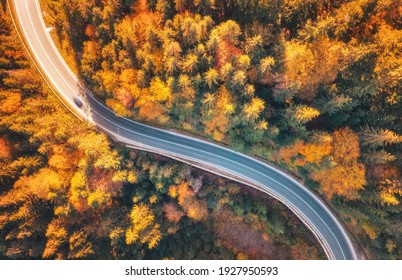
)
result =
(311, 210)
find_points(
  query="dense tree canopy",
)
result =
(67, 193)
(314, 86)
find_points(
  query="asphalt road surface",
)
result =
(311, 210)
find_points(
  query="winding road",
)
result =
(303, 202)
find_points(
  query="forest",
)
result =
(68, 192)
(313, 87)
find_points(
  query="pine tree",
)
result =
(190, 63)
(254, 48)
(79, 246)
(254, 108)
(265, 67)
(378, 157)
(172, 66)
(165, 8)
(211, 77)
(204, 7)
(228, 31)
(209, 100)
(305, 114)
(182, 5)
(244, 62)
(375, 138)
(143, 227)
(333, 103)
(238, 80)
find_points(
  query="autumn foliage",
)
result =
(347, 177)
(313, 86)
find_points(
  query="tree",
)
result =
(194, 208)
(254, 48)
(99, 198)
(315, 153)
(254, 108)
(190, 63)
(388, 64)
(143, 227)
(228, 31)
(305, 114)
(321, 137)
(91, 58)
(97, 148)
(211, 77)
(225, 53)
(23, 80)
(165, 8)
(347, 176)
(173, 49)
(302, 251)
(109, 80)
(249, 90)
(56, 234)
(189, 28)
(388, 197)
(209, 100)
(159, 91)
(125, 97)
(312, 65)
(341, 180)
(186, 87)
(172, 213)
(182, 5)
(345, 145)
(378, 157)
(244, 62)
(265, 69)
(12, 103)
(238, 80)
(79, 246)
(379, 137)
(333, 103)
(79, 192)
(311, 153)
(226, 72)
(197, 210)
(150, 102)
(172, 66)
(204, 6)
(216, 119)
(5, 148)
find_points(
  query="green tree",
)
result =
(333, 103)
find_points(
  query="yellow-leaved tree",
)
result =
(154, 101)
(254, 108)
(218, 108)
(305, 114)
(143, 228)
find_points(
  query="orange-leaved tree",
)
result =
(346, 176)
